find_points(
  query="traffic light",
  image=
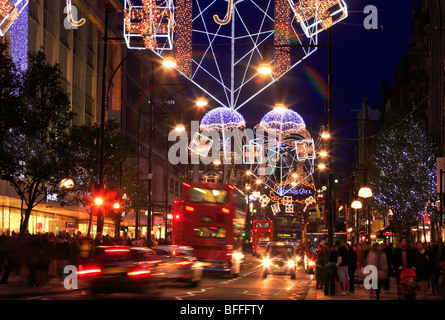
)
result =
(98, 201)
(106, 202)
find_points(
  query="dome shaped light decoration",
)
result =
(281, 122)
(288, 155)
(220, 120)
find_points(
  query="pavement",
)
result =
(360, 293)
(17, 288)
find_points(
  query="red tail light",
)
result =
(184, 263)
(139, 272)
(89, 271)
(117, 250)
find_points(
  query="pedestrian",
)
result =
(342, 267)
(388, 252)
(435, 270)
(330, 272)
(63, 254)
(402, 258)
(377, 258)
(423, 269)
(75, 251)
(352, 267)
(322, 259)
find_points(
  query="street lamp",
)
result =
(169, 62)
(264, 68)
(365, 192)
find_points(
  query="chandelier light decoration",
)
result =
(230, 40)
(220, 120)
(9, 12)
(288, 156)
(315, 16)
(149, 25)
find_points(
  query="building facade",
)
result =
(133, 80)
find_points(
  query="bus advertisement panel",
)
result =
(262, 233)
(211, 219)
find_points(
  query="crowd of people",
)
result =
(340, 268)
(43, 256)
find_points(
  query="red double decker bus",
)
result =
(211, 219)
(262, 232)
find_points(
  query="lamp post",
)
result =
(356, 204)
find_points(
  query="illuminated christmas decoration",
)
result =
(305, 149)
(70, 18)
(150, 25)
(223, 119)
(224, 52)
(288, 158)
(19, 41)
(282, 37)
(275, 208)
(200, 144)
(315, 16)
(9, 13)
(228, 17)
(403, 172)
(183, 37)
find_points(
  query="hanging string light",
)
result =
(183, 36)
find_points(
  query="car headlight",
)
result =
(298, 259)
(291, 263)
(311, 263)
(266, 262)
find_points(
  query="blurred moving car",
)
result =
(122, 269)
(280, 258)
(180, 264)
(261, 249)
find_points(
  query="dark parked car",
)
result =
(180, 264)
(122, 269)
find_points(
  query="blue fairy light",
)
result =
(222, 118)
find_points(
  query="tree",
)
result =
(34, 135)
(403, 172)
(120, 171)
(34, 150)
